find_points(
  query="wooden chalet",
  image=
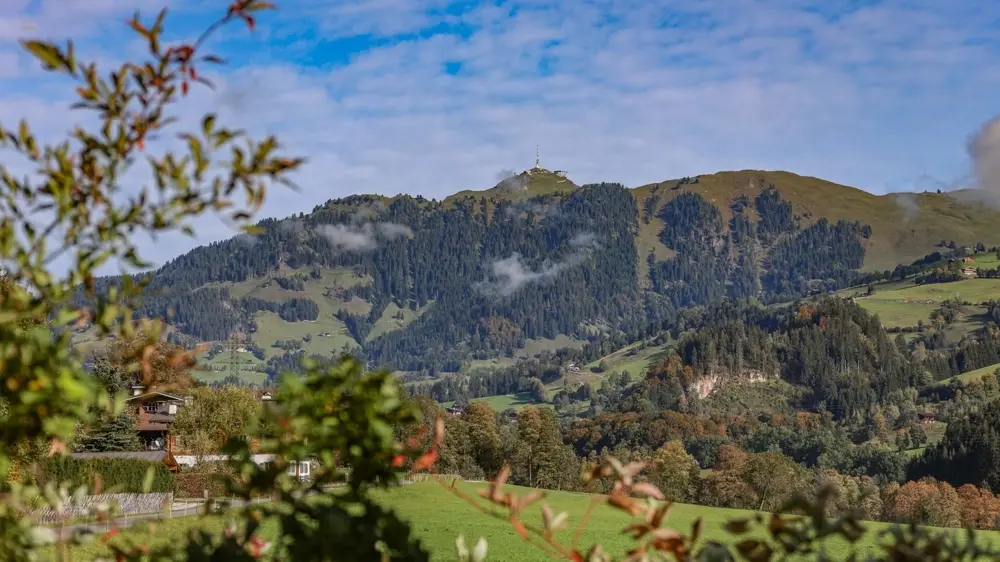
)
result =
(157, 411)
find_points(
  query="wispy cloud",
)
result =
(584, 241)
(511, 274)
(430, 98)
(984, 151)
(539, 209)
(364, 237)
(909, 204)
(509, 179)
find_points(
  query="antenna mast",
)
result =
(537, 159)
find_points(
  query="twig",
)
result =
(594, 500)
(549, 544)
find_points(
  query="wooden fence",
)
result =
(125, 504)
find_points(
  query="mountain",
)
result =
(539, 262)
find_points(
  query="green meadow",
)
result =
(438, 517)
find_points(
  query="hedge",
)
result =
(192, 482)
(119, 475)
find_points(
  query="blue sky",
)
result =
(431, 97)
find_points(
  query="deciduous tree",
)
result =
(214, 416)
(674, 472)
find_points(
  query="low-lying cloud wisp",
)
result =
(511, 273)
(984, 152)
(539, 209)
(508, 179)
(909, 205)
(364, 237)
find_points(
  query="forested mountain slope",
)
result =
(420, 284)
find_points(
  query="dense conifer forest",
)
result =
(491, 273)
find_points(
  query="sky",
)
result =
(431, 97)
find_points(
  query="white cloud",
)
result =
(362, 237)
(584, 240)
(632, 91)
(391, 231)
(984, 150)
(510, 274)
(349, 238)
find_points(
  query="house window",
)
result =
(304, 469)
(151, 407)
(291, 468)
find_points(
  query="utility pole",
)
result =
(234, 360)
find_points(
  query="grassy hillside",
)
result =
(904, 304)
(506, 401)
(527, 184)
(397, 286)
(973, 376)
(438, 517)
(905, 226)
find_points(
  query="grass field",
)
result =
(971, 290)
(438, 517)
(902, 304)
(986, 260)
(395, 318)
(631, 359)
(506, 401)
(935, 433)
(271, 328)
(974, 375)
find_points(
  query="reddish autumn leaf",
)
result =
(184, 87)
(110, 535)
(625, 503)
(257, 546)
(425, 460)
(398, 461)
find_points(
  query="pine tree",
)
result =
(115, 434)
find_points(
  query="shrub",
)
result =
(210, 477)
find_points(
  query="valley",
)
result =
(735, 323)
(740, 364)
